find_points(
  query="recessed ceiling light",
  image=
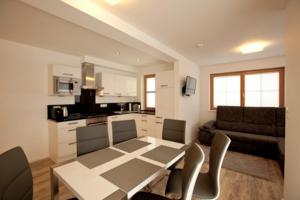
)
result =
(117, 53)
(199, 45)
(252, 47)
(112, 2)
(138, 60)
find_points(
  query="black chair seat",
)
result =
(148, 196)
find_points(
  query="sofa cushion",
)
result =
(261, 116)
(280, 122)
(229, 118)
(281, 146)
(248, 137)
(230, 114)
(260, 121)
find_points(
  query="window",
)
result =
(257, 88)
(150, 92)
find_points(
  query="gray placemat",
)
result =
(131, 145)
(163, 154)
(97, 158)
(130, 174)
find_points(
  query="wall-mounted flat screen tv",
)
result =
(190, 86)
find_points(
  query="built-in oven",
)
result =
(67, 86)
(96, 120)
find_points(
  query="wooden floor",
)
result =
(234, 185)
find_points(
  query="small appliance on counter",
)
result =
(65, 112)
(56, 113)
(136, 107)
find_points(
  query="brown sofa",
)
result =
(258, 131)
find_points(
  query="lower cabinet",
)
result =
(62, 139)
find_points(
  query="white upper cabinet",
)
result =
(106, 81)
(164, 79)
(131, 86)
(116, 85)
(65, 71)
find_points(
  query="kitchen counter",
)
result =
(86, 116)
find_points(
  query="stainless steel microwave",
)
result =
(67, 86)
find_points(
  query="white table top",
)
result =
(87, 183)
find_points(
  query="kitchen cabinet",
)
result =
(131, 86)
(164, 97)
(64, 71)
(164, 79)
(62, 139)
(116, 85)
(165, 102)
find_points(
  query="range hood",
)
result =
(88, 76)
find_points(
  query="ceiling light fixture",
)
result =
(252, 47)
(199, 45)
(112, 2)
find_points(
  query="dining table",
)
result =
(117, 172)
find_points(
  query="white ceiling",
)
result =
(22, 23)
(221, 25)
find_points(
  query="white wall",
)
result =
(292, 151)
(187, 108)
(205, 113)
(24, 98)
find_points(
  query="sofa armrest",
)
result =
(209, 125)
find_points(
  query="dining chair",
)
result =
(174, 130)
(15, 176)
(207, 184)
(194, 158)
(123, 130)
(91, 138)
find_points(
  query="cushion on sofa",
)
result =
(260, 121)
(280, 122)
(262, 116)
(281, 146)
(248, 137)
(230, 113)
(229, 118)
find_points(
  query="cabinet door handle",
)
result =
(106, 93)
(158, 122)
(67, 74)
(144, 130)
(72, 123)
(72, 143)
(163, 85)
(144, 120)
(158, 117)
(71, 130)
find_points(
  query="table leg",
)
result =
(54, 185)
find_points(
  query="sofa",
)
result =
(253, 130)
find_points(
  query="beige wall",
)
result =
(187, 108)
(292, 150)
(205, 113)
(23, 97)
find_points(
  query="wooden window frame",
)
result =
(145, 91)
(242, 74)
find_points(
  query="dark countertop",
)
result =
(86, 116)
